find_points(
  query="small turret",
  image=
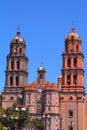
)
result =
(41, 75)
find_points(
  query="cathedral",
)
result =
(63, 106)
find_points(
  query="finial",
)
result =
(41, 66)
(18, 30)
(73, 29)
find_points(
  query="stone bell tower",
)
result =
(72, 90)
(16, 71)
(73, 68)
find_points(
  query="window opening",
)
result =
(75, 62)
(12, 65)
(70, 113)
(20, 50)
(75, 79)
(72, 38)
(11, 80)
(18, 65)
(68, 79)
(71, 98)
(17, 80)
(12, 98)
(69, 62)
(77, 48)
(41, 80)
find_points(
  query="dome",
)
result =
(41, 68)
(73, 34)
(18, 38)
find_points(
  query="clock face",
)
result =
(39, 90)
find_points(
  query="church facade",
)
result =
(63, 106)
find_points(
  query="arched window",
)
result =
(20, 50)
(70, 113)
(12, 65)
(69, 62)
(68, 79)
(40, 80)
(18, 64)
(75, 62)
(11, 80)
(76, 48)
(75, 79)
(17, 80)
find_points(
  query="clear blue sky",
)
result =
(43, 24)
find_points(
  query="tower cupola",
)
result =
(18, 45)
(41, 75)
(73, 42)
(18, 38)
(73, 35)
